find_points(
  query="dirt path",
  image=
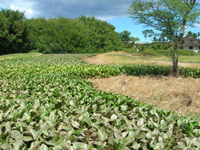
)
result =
(181, 95)
(101, 59)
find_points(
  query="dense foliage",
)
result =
(45, 102)
(127, 40)
(55, 35)
(13, 32)
(156, 49)
(81, 35)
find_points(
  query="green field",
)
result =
(46, 103)
(128, 57)
(19, 55)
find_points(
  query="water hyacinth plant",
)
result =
(46, 103)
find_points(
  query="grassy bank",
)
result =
(127, 58)
(19, 55)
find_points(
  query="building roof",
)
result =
(190, 44)
(190, 38)
(138, 42)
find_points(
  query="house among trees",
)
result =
(190, 43)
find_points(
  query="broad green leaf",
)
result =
(135, 145)
(168, 135)
(52, 117)
(102, 134)
(149, 135)
(43, 147)
(58, 148)
(27, 138)
(1, 115)
(16, 135)
(113, 117)
(6, 146)
(17, 145)
(130, 139)
(140, 122)
(79, 145)
(75, 124)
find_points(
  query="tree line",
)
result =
(55, 35)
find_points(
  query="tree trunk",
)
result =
(175, 71)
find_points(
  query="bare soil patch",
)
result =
(181, 95)
(101, 59)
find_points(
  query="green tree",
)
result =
(148, 33)
(191, 34)
(155, 39)
(125, 36)
(169, 17)
(13, 32)
(134, 39)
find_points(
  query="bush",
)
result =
(130, 50)
(158, 46)
(186, 53)
(150, 52)
(164, 52)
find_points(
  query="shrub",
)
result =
(130, 50)
(186, 53)
(150, 52)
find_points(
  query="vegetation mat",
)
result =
(46, 103)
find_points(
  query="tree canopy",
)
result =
(194, 35)
(168, 17)
(125, 36)
(127, 40)
(80, 35)
(13, 32)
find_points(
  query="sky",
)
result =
(112, 11)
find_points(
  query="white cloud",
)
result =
(106, 18)
(24, 6)
(101, 9)
(197, 25)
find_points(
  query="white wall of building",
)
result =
(194, 48)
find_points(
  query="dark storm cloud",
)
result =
(75, 8)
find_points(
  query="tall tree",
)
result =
(169, 17)
(13, 32)
(191, 34)
(148, 33)
(134, 39)
(125, 36)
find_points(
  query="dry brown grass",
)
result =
(101, 58)
(181, 95)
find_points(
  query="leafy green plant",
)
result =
(46, 103)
